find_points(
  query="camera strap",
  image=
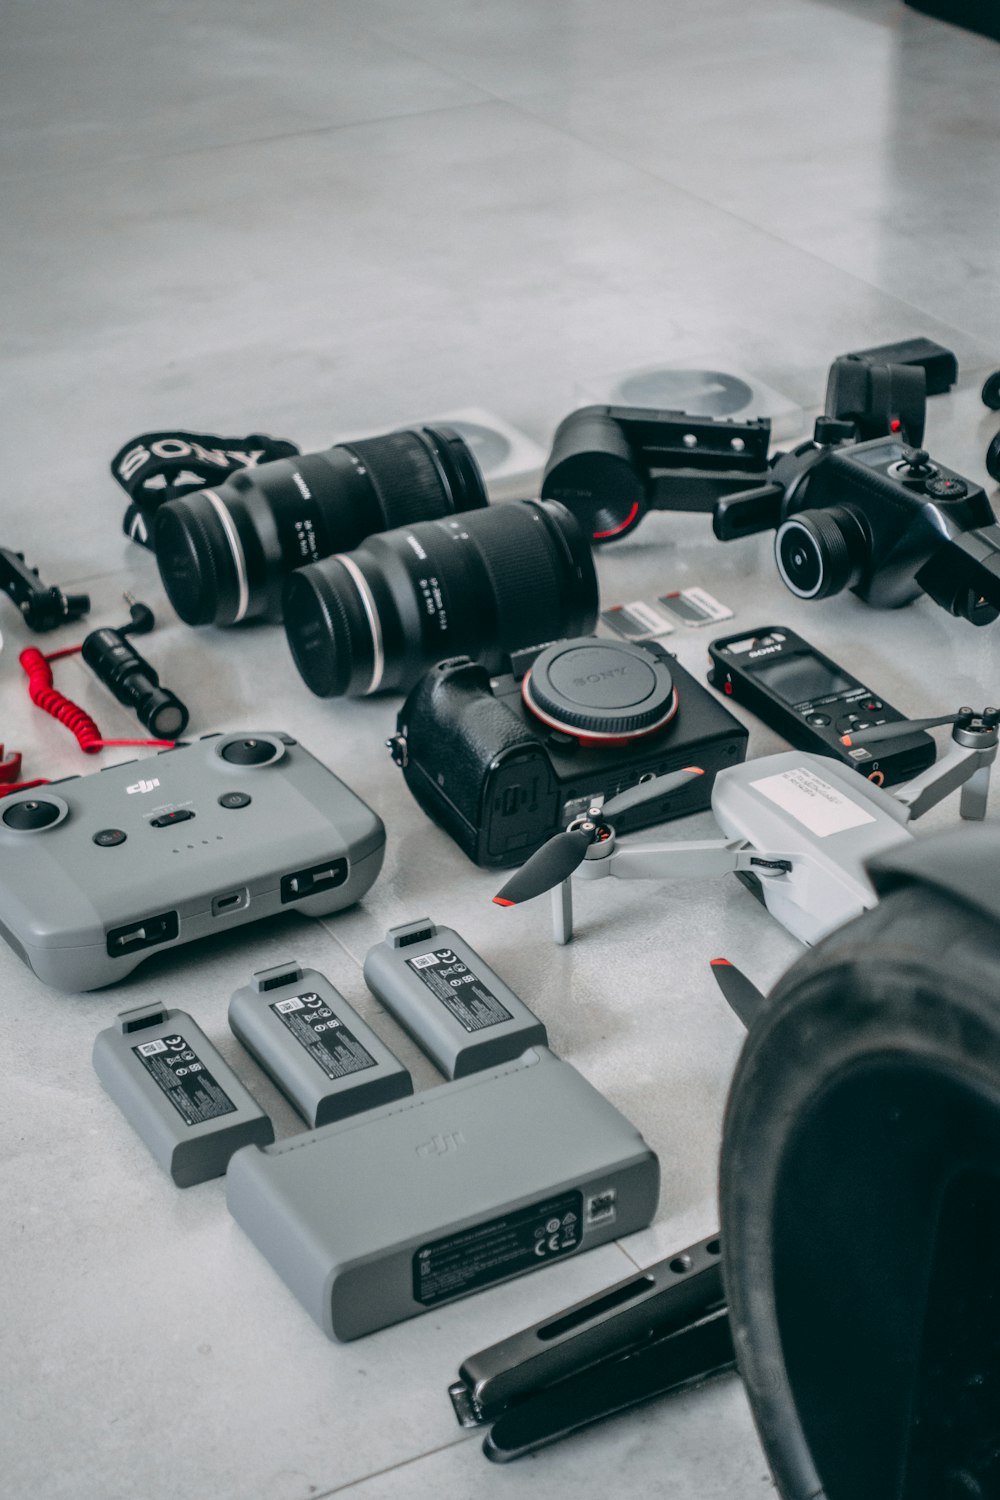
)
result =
(160, 466)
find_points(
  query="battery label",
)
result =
(460, 991)
(323, 1035)
(185, 1080)
(502, 1247)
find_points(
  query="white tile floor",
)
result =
(317, 217)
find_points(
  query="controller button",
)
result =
(946, 489)
(248, 752)
(873, 705)
(27, 817)
(109, 838)
(819, 721)
(234, 799)
(168, 819)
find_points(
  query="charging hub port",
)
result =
(223, 906)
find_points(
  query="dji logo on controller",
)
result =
(142, 786)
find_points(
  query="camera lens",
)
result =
(821, 552)
(490, 583)
(224, 553)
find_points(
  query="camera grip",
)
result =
(455, 730)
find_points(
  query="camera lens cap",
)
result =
(600, 690)
(28, 817)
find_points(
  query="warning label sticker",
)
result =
(813, 802)
(324, 1036)
(502, 1247)
(460, 991)
(185, 1080)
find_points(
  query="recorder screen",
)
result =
(802, 679)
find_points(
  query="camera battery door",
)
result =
(376, 1219)
(458, 1011)
(178, 1092)
(325, 1059)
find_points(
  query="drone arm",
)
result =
(673, 861)
(664, 862)
(962, 767)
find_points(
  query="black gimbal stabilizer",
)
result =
(879, 517)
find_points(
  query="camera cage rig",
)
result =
(777, 814)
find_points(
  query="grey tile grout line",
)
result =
(119, 162)
(443, 1447)
(405, 1463)
(663, 181)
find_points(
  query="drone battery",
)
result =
(376, 1219)
(318, 1050)
(457, 1010)
(180, 1094)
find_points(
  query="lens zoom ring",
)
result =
(405, 478)
(523, 565)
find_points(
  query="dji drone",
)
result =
(799, 829)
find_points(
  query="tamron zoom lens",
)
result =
(483, 585)
(224, 553)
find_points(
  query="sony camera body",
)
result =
(503, 763)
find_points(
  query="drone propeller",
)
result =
(553, 863)
(556, 860)
(879, 732)
(743, 998)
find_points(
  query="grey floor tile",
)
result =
(464, 254)
(153, 80)
(884, 195)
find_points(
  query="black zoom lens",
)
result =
(224, 553)
(497, 581)
(821, 552)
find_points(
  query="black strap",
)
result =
(159, 466)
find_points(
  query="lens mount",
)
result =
(600, 690)
(821, 552)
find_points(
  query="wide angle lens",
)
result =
(821, 552)
(492, 582)
(224, 553)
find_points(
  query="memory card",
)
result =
(637, 621)
(695, 607)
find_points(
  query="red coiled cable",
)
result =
(45, 696)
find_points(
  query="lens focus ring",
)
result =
(518, 555)
(819, 553)
(405, 478)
